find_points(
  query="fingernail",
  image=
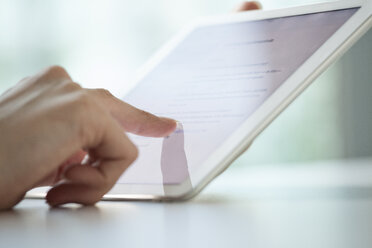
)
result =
(168, 119)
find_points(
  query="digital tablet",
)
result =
(224, 79)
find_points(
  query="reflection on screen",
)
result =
(213, 81)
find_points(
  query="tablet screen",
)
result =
(213, 81)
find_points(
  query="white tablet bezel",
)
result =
(239, 141)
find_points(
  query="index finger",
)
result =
(133, 119)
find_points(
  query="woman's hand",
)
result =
(47, 125)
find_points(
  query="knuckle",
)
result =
(80, 105)
(71, 86)
(85, 111)
(104, 92)
(52, 75)
(57, 70)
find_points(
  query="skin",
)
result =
(49, 123)
(245, 6)
(47, 119)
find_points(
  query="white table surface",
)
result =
(326, 204)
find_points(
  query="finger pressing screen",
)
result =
(132, 119)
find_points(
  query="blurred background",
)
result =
(102, 43)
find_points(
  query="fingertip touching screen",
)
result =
(213, 81)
